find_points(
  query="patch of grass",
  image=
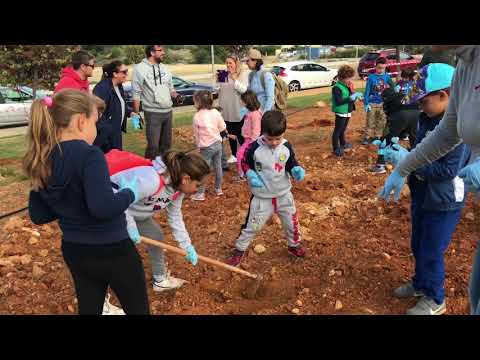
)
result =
(183, 119)
(10, 174)
(12, 147)
(310, 100)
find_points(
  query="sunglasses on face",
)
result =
(91, 65)
(125, 72)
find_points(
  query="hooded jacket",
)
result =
(436, 186)
(152, 84)
(79, 193)
(71, 80)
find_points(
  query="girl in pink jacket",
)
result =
(251, 126)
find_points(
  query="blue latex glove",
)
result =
(397, 88)
(356, 96)
(368, 108)
(136, 122)
(471, 176)
(134, 235)
(298, 173)
(395, 152)
(381, 146)
(253, 179)
(132, 185)
(191, 255)
(395, 183)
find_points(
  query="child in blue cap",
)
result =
(437, 194)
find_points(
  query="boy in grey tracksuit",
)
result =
(152, 85)
(268, 164)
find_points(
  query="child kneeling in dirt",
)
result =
(438, 196)
(164, 186)
(267, 164)
(343, 103)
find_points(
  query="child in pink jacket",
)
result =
(208, 129)
(251, 126)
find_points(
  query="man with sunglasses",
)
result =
(76, 75)
(152, 85)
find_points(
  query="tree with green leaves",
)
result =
(134, 54)
(37, 66)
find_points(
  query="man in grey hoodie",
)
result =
(459, 124)
(152, 85)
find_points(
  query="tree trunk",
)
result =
(35, 84)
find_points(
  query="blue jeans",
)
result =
(474, 290)
(431, 235)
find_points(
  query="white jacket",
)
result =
(155, 194)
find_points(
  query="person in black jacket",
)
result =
(114, 120)
(71, 184)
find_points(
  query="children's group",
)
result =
(104, 198)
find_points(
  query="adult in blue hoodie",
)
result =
(114, 119)
(71, 183)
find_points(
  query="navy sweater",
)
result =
(436, 186)
(80, 195)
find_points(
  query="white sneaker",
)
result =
(109, 309)
(168, 283)
(232, 159)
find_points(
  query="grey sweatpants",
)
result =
(150, 228)
(158, 132)
(261, 210)
(213, 156)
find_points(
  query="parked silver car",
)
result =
(14, 107)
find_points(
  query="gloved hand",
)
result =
(395, 183)
(136, 122)
(381, 146)
(397, 88)
(132, 185)
(298, 173)
(356, 96)
(368, 108)
(395, 152)
(253, 179)
(471, 176)
(134, 234)
(191, 255)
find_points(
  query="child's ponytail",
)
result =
(47, 117)
(41, 139)
(178, 163)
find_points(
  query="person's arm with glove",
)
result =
(394, 152)
(292, 166)
(179, 231)
(132, 228)
(447, 167)
(443, 139)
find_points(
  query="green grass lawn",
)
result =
(14, 147)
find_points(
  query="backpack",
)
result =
(281, 89)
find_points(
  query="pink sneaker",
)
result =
(236, 258)
(298, 251)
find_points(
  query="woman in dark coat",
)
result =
(114, 120)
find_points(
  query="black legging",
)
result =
(338, 136)
(401, 122)
(235, 128)
(96, 267)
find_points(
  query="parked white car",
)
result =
(304, 74)
(14, 107)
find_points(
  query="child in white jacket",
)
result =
(163, 186)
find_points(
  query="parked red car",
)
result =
(367, 62)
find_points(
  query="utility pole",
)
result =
(213, 65)
(356, 51)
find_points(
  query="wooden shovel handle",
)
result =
(200, 257)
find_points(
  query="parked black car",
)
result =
(182, 87)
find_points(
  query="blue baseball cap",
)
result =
(430, 78)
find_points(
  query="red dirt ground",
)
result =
(357, 247)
